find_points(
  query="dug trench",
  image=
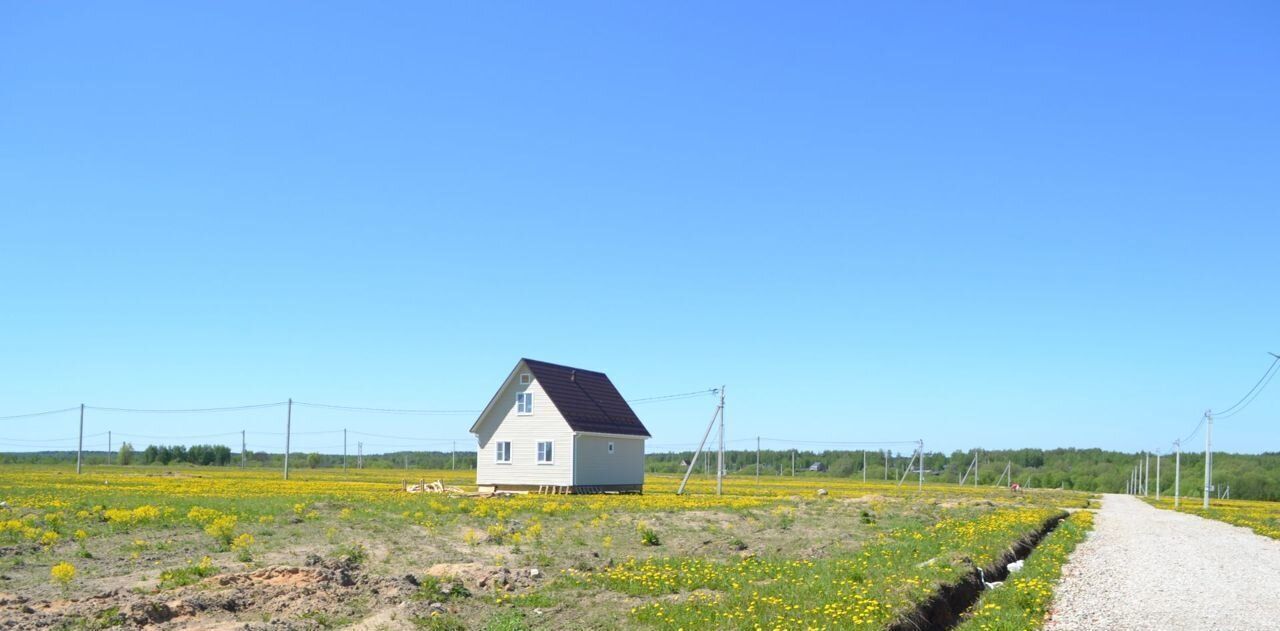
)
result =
(946, 608)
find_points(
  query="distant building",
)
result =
(817, 466)
(559, 429)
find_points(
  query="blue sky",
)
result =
(993, 224)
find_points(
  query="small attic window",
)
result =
(525, 378)
(611, 447)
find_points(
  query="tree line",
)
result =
(1249, 476)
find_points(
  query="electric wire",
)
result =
(34, 414)
(673, 397)
(353, 408)
(233, 408)
(1256, 393)
(1265, 376)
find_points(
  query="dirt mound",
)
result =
(478, 577)
(277, 575)
(285, 595)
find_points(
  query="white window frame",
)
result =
(551, 444)
(611, 446)
(499, 452)
(524, 403)
(525, 378)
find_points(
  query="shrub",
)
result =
(62, 574)
(192, 573)
(222, 529)
(648, 536)
(350, 554)
(241, 545)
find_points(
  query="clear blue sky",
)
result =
(996, 224)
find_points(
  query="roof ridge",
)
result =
(539, 361)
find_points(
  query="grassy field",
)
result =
(1262, 517)
(178, 547)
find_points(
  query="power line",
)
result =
(32, 414)
(53, 440)
(437, 440)
(353, 408)
(1257, 390)
(233, 408)
(833, 442)
(1195, 431)
(668, 397)
(153, 437)
(1257, 387)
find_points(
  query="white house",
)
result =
(559, 428)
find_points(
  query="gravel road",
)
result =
(1146, 568)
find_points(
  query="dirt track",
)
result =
(1146, 568)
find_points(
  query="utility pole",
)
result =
(757, 460)
(976, 464)
(719, 413)
(793, 463)
(864, 466)
(1146, 477)
(108, 447)
(886, 465)
(720, 459)
(288, 430)
(344, 449)
(1208, 458)
(921, 465)
(1157, 476)
(1177, 473)
(359, 455)
(80, 445)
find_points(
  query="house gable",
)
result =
(502, 407)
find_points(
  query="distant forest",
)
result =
(1094, 470)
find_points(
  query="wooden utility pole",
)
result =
(288, 430)
(80, 445)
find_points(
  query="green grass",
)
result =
(863, 590)
(192, 573)
(1022, 603)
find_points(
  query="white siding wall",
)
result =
(596, 466)
(524, 432)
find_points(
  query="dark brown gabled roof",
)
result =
(587, 400)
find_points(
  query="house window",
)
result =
(502, 452)
(544, 452)
(524, 403)
(610, 446)
(524, 378)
